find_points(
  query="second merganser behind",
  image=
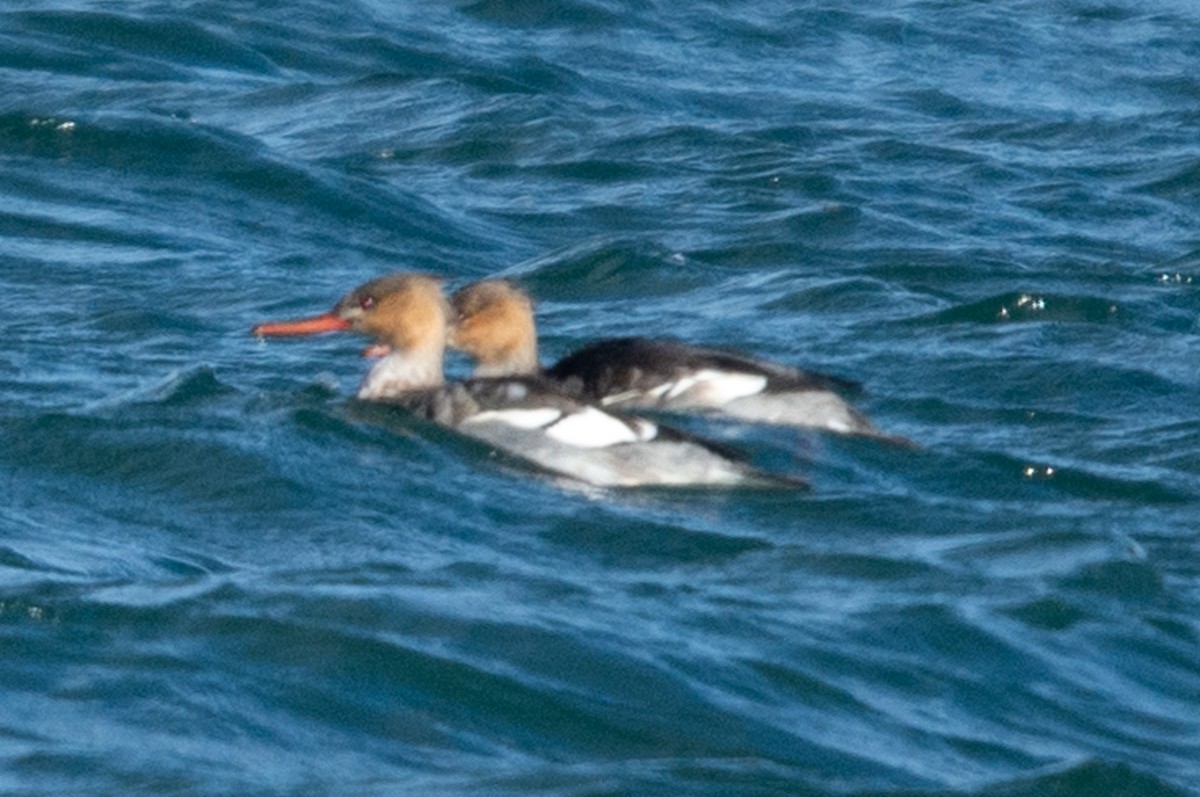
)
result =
(407, 315)
(494, 325)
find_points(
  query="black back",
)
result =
(613, 366)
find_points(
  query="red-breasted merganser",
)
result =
(407, 315)
(494, 325)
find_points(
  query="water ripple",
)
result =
(221, 574)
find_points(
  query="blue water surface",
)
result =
(219, 575)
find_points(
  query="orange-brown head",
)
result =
(403, 311)
(494, 325)
(406, 314)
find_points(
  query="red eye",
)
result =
(366, 302)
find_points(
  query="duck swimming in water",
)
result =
(494, 325)
(407, 316)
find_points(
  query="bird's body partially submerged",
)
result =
(495, 326)
(407, 315)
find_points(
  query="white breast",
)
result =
(396, 374)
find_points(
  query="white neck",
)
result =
(400, 372)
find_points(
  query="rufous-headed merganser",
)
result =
(407, 315)
(494, 325)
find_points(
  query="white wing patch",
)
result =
(720, 387)
(628, 395)
(673, 390)
(593, 428)
(646, 430)
(587, 428)
(704, 388)
(522, 419)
